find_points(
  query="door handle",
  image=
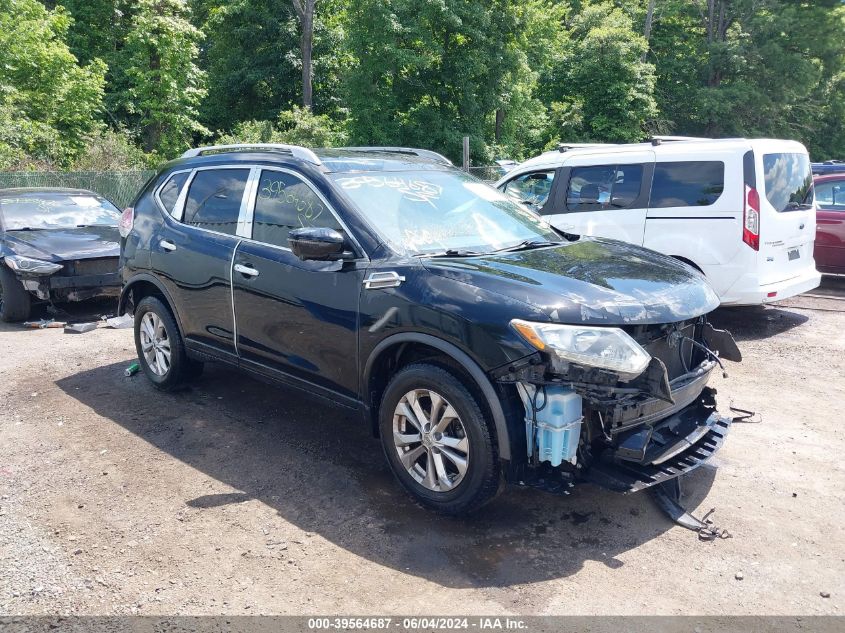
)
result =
(167, 245)
(249, 271)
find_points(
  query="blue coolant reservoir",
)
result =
(558, 425)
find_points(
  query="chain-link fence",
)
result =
(118, 186)
(488, 173)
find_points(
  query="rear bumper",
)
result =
(675, 446)
(748, 291)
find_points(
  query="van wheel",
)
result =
(436, 440)
(15, 302)
(161, 351)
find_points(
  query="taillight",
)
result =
(751, 218)
(127, 220)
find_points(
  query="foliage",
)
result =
(91, 80)
(297, 126)
(166, 86)
(600, 78)
(47, 100)
(112, 150)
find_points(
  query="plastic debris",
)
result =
(44, 323)
(80, 328)
(120, 322)
(133, 369)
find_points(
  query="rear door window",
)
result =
(532, 189)
(789, 180)
(687, 184)
(214, 199)
(830, 196)
(284, 203)
(604, 187)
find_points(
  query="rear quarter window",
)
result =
(687, 184)
(169, 192)
(789, 181)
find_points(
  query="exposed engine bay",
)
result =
(620, 431)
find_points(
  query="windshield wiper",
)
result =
(527, 245)
(451, 252)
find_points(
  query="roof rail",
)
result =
(302, 153)
(422, 153)
(565, 147)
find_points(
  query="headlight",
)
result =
(604, 347)
(33, 266)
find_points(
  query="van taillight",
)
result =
(124, 227)
(751, 218)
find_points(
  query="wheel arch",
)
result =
(144, 285)
(382, 361)
(688, 262)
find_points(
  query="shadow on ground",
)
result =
(323, 472)
(751, 323)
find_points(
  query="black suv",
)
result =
(481, 344)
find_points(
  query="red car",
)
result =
(830, 223)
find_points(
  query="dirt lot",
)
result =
(240, 498)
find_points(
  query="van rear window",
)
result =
(789, 180)
(696, 183)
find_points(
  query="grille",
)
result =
(102, 266)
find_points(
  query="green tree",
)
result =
(297, 126)
(428, 72)
(98, 31)
(252, 56)
(752, 68)
(48, 102)
(165, 84)
(599, 88)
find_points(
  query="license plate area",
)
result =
(793, 254)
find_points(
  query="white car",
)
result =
(741, 211)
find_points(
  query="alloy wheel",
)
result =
(155, 344)
(431, 440)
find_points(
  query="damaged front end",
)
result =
(625, 408)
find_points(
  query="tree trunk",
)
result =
(305, 11)
(649, 20)
(500, 120)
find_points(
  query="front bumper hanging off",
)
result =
(669, 449)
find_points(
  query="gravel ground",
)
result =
(236, 497)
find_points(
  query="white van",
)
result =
(741, 211)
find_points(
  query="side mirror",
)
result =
(315, 243)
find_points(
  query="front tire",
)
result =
(15, 302)
(437, 441)
(161, 350)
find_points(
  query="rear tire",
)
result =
(437, 441)
(15, 302)
(161, 350)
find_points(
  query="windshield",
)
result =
(427, 212)
(789, 181)
(53, 210)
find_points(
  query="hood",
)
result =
(591, 280)
(65, 244)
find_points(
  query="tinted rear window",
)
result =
(56, 210)
(789, 180)
(214, 199)
(687, 184)
(830, 196)
(170, 191)
(604, 187)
